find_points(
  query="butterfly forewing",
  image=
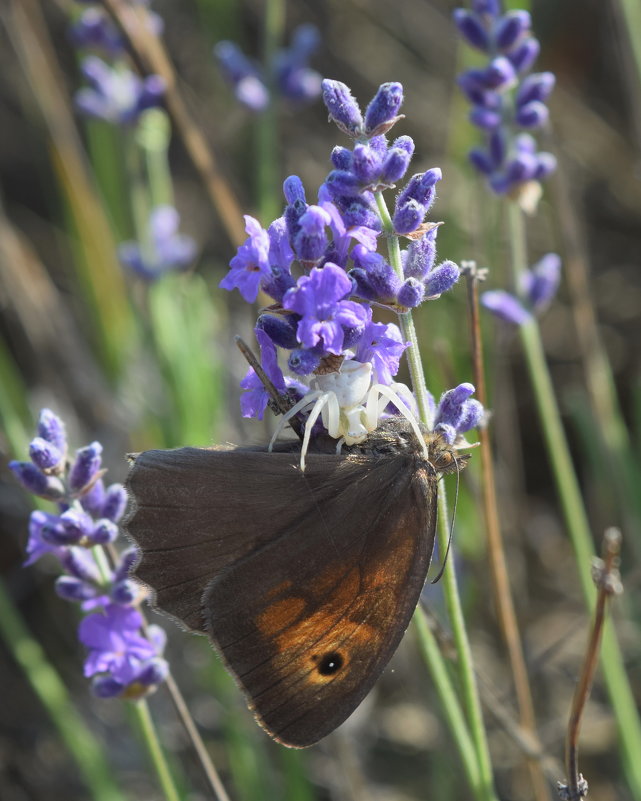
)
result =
(305, 582)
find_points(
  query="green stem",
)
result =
(139, 195)
(46, 684)
(575, 515)
(153, 136)
(484, 788)
(267, 124)
(154, 749)
(449, 701)
(465, 664)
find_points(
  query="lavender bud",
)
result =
(471, 28)
(379, 145)
(510, 28)
(411, 293)
(505, 307)
(522, 168)
(405, 143)
(352, 335)
(76, 524)
(543, 281)
(546, 164)
(304, 361)
(383, 108)
(395, 165)
(357, 212)
(93, 500)
(54, 533)
(105, 531)
(366, 165)
(450, 409)
(408, 217)
(33, 480)
(44, 455)
(85, 466)
(525, 54)
(532, 115)
(154, 672)
(124, 592)
(343, 184)
(51, 428)
(115, 503)
(479, 159)
(500, 74)
(441, 279)
(293, 189)
(81, 564)
(281, 280)
(128, 559)
(341, 158)
(73, 589)
(342, 107)
(420, 256)
(535, 87)
(311, 240)
(364, 288)
(473, 414)
(281, 330)
(483, 118)
(380, 275)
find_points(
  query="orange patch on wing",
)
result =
(280, 615)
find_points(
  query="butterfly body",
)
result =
(304, 581)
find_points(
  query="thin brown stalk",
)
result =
(152, 54)
(606, 577)
(496, 552)
(184, 714)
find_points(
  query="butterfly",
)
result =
(304, 581)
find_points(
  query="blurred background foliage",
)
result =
(138, 367)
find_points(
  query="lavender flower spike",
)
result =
(166, 250)
(504, 100)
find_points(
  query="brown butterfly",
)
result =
(305, 582)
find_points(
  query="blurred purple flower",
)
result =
(166, 249)
(116, 94)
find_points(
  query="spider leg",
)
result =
(394, 397)
(297, 407)
(332, 415)
(322, 398)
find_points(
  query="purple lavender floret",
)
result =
(538, 286)
(164, 251)
(125, 662)
(120, 658)
(251, 263)
(116, 94)
(505, 99)
(457, 412)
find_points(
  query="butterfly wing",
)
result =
(305, 582)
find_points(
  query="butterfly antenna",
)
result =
(449, 539)
(279, 403)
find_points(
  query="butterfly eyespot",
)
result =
(328, 664)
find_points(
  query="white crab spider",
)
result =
(350, 406)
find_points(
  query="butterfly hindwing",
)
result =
(305, 582)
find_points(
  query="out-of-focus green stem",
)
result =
(153, 135)
(484, 788)
(451, 707)
(46, 684)
(267, 165)
(139, 194)
(154, 749)
(575, 515)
